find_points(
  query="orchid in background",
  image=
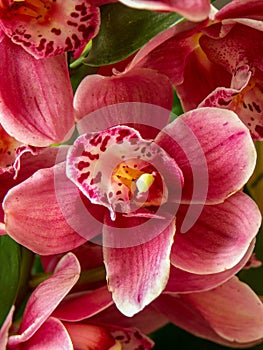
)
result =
(216, 62)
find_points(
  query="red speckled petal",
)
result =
(47, 28)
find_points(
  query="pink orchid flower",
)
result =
(195, 10)
(47, 28)
(133, 184)
(215, 62)
(40, 328)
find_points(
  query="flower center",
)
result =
(35, 9)
(132, 178)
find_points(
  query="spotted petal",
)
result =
(47, 28)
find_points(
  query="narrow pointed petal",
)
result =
(195, 10)
(36, 107)
(5, 328)
(137, 275)
(46, 203)
(207, 155)
(220, 237)
(45, 28)
(51, 335)
(181, 281)
(138, 85)
(79, 306)
(206, 314)
(46, 297)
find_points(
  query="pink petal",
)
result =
(138, 274)
(207, 314)
(220, 237)
(244, 322)
(241, 9)
(51, 335)
(207, 144)
(181, 281)
(78, 306)
(195, 10)
(46, 297)
(184, 282)
(138, 85)
(36, 107)
(57, 208)
(5, 329)
(86, 336)
(50, 28)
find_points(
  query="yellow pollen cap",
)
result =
(144, 182)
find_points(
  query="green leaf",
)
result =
(124, 30)
(10, 258)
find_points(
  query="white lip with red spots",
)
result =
(116, 168)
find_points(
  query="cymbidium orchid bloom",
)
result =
(41, 329)
(138, 187)
(46, 28)
(216, 62)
